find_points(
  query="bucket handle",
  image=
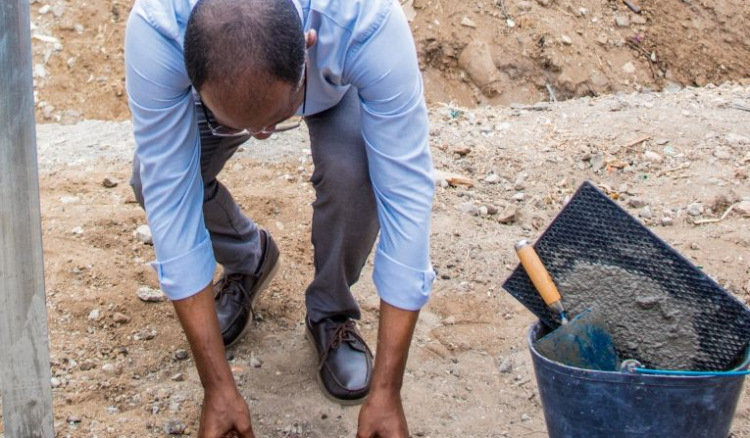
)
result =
(633, 366)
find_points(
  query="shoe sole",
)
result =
(262, 288)
(323, 389)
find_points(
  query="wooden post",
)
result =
(24, 355)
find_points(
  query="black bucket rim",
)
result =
(618, 375)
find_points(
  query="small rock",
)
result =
(179, 377)
(181, 354)
(483, 211)
(55, 382)
(545, 3)
(622, 21)
(110, 183)
(524, 5)
(476, 60)
(646, 212)
(653, 157)
(450, 320)
(509, 215)
(636, 202)
(743, 208)
(458, 180)
(174, 427)
(146, 335)
(597, 162)
(525, 418)
(143, 234)
(492, 178)
(491, 210)
(629, 68)
(520, 183)
(77, 231)
(506, 366)
(694, 246)
(667, 221)
(695, 209)
(151, 295)
(468, 22)
(70, 117)
(469, 208)
(462, 151)
(254, 361)
(94, 315)
(73, 419)
(44, 9)
(639, 20)
(40, 71)
(87, 364)
(518, 197)
(723, 154)
(58, 10)
(108, 368)
(566, 40)
(120, 318)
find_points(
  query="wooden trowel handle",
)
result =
(538, 273)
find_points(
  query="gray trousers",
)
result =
(344, 225)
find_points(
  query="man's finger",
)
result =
(245, 432)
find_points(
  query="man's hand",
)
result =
(225, 411)
(382, 415)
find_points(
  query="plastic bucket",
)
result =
(582, 403)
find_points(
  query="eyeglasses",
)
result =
(285, 125)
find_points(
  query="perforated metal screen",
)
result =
(592, 228)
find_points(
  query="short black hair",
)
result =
(225, 39)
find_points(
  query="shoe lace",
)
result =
(230, 285)
(345, 332)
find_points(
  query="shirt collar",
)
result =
(298, 6)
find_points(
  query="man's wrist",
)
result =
(219, 381)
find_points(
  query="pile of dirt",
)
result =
(490, 51)
(678, 161)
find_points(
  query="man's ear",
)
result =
(311, 37)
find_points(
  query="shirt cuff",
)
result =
(188, 274)
(401, 286)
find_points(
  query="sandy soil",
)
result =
(469, 373)
(579, 48)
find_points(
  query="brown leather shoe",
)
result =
(236, 293)
(345, 361)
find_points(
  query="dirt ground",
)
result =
(515, 48)
(114, 356)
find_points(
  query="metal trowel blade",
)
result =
(584, 342)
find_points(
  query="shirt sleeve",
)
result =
(168, 150)
(395, 128)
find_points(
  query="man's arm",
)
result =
(168, 152)
(224, 409)
(395, 129)
(383, 414)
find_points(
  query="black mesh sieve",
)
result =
(593, 228)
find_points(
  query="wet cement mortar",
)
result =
(646, 322)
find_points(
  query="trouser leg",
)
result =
(345, 223)
(234, 236)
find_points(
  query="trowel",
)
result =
(584, 341)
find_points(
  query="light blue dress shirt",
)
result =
(362, 43)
